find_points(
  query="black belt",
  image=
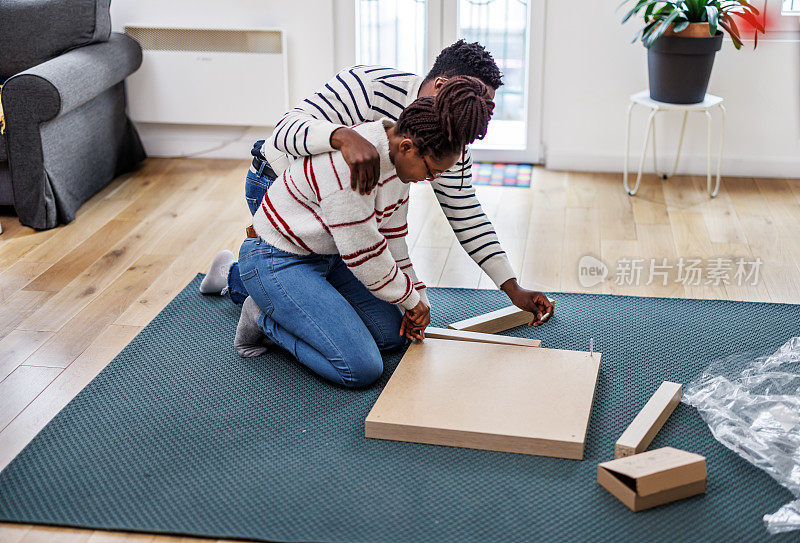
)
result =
(263, 168)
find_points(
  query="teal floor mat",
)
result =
(180, 435)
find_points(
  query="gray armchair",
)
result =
(67, 134)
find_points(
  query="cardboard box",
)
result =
(654, 478)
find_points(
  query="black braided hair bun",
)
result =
(464, 108)
(444, 124)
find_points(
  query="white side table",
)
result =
(643, 99)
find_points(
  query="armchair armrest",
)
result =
(61, 84)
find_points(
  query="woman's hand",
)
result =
(361, 156)
(415, 321)
(529, 300)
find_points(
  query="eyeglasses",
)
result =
(431, 175)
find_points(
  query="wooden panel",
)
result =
(649, 421)
(463, 335)
(486, 396)
(496, 321)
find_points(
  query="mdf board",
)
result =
(462, 335)
(487, 396)
(649, 421)
(496, 321)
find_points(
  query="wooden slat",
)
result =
(495, 321)
(70, 341)
(644, 427)
(463, 335)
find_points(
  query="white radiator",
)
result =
(217, 76)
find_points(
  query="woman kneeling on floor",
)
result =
(328, 267)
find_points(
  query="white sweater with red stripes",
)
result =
(311, 209)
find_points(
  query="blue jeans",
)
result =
(315, 308)
(255, 186)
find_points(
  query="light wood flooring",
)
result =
(71, 298)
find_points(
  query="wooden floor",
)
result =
(71, 298)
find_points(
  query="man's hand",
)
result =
(361, 156)
(529, 300)
(415, 321)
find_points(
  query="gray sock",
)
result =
(250, 339)
(216, 280)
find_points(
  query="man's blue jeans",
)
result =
(255, 186)
(315, 308)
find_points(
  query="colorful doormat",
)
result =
(180, 435)
(502, 175)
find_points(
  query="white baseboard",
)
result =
(161, 140)
(732, 166)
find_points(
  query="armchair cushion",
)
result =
(34, 31)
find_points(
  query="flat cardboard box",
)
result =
(507, 398)
(652, 478)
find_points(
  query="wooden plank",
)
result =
(649, 421)
(542, 262)
(60, 274)
(167, 285)
(496, 321)
(50, 534)
(102, 536)
(97, 213)
(581, 238)
(13, 533)
(428, 263)
(486, 396)
(21, 387)
(463, 335)
(69, 382)
(459, 271)
(71, 340)
(17, 346)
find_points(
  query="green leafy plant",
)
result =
(660, 14)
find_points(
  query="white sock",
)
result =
(217, 277)
(250, 338)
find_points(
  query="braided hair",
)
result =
(445, 123)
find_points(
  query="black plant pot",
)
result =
(679, 68)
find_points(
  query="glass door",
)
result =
(408, 34)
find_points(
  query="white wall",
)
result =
(310, 59)
(591, 69)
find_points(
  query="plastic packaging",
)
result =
(752, 406)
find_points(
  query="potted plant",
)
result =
(682, 37)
